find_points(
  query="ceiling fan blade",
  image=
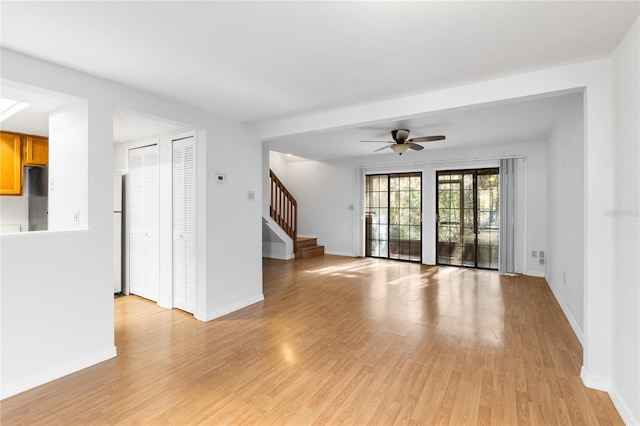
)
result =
(427, 139)
(415, 146)
(380, 141)
(384, 147)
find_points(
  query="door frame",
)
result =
(389, 174)
(462, 171)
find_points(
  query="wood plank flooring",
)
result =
(338, 341)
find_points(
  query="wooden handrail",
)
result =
(284, 208)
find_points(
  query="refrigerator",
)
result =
(117, 230)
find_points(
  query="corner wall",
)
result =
(624, 218)
(565, 202)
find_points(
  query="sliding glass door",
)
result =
(468, 218)
(393, 216)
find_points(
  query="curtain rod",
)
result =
(387, 166)
(477, 159)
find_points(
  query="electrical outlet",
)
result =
(251, 195)
(542, 261)
(541, 254)
(564, 277)
(534, 254)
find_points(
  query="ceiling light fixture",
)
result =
(400, 148)
(9, 107)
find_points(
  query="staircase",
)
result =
(308, 247)
(284, 211)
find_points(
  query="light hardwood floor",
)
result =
(338, 341)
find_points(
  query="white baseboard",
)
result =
(10, 389)
(539, 274)
(277, 256)
(623, 409)
(594, 381)
(567, 313)
(339, 253)
(230, 308)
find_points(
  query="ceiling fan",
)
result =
(401, 144)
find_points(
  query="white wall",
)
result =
(565, 202)
(278, 164)
(325, 190)
(625, 221)
(234, 223)
(14, 210)
(58, 317)
(68, 198)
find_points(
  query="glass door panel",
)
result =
(449, 219)
(376, 216)
(468, 218)
(393, 216)
(488, 220)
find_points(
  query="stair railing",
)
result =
(284, 208)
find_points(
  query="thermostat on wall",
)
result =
(219, 178)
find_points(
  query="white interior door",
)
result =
(184, 224)
(144, 249)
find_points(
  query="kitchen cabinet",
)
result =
(11, 170)
(17, 151)
(36, 150)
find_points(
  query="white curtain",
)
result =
(358, 214)
(509, 179)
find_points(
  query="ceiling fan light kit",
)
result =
(400, 144)
(400, 148)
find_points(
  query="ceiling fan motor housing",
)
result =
(400, 135)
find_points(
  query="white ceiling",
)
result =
(255, 61)
(130, 126)
(522, 121)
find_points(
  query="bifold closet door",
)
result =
(184, 224)
(144, 248)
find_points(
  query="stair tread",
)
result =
(310, 247)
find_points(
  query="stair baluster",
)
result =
(284, 208)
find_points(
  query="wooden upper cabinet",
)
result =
(10, 164)
(36, 150)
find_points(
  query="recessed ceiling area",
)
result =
(528, 120)
(34, 119)
(130, 126)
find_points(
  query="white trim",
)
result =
(539, 274)
(339, 253)
(276, 250)
(386, 166)
(623, 409)
(478, 159)
(54, 373)
(572, 321)
(209, 316)
(594, 381)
